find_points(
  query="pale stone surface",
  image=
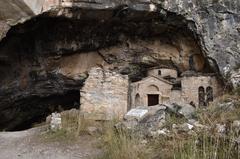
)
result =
(236, 126)
(104, 95)
(92, 130)
(185, 127)
(56, 122)
(186, 110)
(15, 11)
(136, 113)
(221, 128)
(4, 27)
(235, 78)
(74, 66)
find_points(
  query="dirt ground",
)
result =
(29, 144)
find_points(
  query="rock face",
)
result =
(215, 23)
(46, 56)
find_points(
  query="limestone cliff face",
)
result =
(50, 46)
(215, 23)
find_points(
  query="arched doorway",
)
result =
(137, 100)
(153, 96)
(201, 96)
(209, 92)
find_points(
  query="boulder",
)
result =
(56, 122)
(236, 126)
(144, 119)
(137, 113)
(92, 130)
(185, 110)
(221, 128)
(185, 127)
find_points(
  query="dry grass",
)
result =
(221, 111)
(122, 144)
(201, 144)
(73, 126)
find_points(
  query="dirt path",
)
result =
(27, 145)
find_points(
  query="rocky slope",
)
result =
(47, 57)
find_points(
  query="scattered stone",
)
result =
(221, 128)
(192, 121)
(144, 142)
(228, 105)
(236, 126)
(56, 122)
(92, 130)
(237, 141)
(199, 126)
(186, 127)
(162, 132)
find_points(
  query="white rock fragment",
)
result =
(136, 114)
(221, 129)
(152, 7)
(56, 122)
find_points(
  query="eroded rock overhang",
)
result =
(215, 23)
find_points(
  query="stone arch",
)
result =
(209, 94)
(137, 100)
(201, 96)
(153, 88)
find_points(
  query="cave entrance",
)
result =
(36, 110)
(153, 99)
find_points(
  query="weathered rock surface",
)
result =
(147, 121)
(36, 56)
(214, 23)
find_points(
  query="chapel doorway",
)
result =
(153, 99)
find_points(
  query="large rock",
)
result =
(145, 120)
(136, 113)
(185, 110)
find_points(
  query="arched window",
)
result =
(201, 96)
(137, 100)
(209, 94)
(159, 72)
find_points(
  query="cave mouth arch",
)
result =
(41, 43)
(35, 109)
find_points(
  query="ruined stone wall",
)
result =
(190, 86)
(104, 95)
